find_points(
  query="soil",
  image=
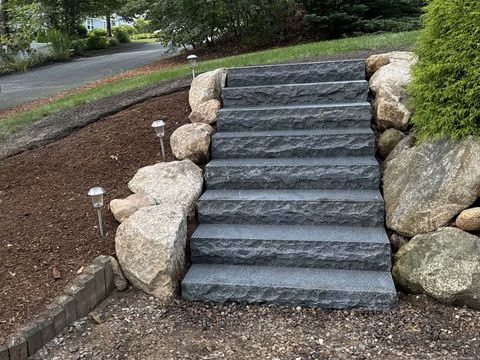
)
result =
(133, 325)
(46, 219)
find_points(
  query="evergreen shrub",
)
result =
(445, 91)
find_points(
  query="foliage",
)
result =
(97, 32)
(121, 35)
(142, 26)
(130, 30)
(446, 81)
(113, 41)
(61, 44)
(96, 41)
(79, 46)
(144, 36)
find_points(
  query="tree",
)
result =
(3, 18)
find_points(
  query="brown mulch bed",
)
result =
(46, 219)
(136, 326)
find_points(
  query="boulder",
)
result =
(172, 183)
(207, 86)
(429, 184)
(375, 62)
(394, 74)
(191, 141)
(122, 209)
(389, 108)
(407, 143)
(206, 112)
(119, 279)
(150, 247)
(469, 220)
(396, 241)
(444, 264)
(388, 140)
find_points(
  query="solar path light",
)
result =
(192, 60)
(96, 195)
(159, 127)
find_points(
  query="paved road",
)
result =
(45, 81)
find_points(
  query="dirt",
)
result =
(135, 326)
(46, 219)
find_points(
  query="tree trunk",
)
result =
(109, 25)
(3, 18)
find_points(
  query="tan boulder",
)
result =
(122, 209)
(206, 112)
(207, 86)
(375, 62)
(469, 220)
(191, 141)
(390, 110)
(388, 140)
(171, 183)
(150, 248)
(394, 74)
(119, 279)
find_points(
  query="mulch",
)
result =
(46, 219)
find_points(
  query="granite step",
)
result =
(298, 73)
(325, 288)
(350, 173)
(294, 143)
(296, 94)
(292, 207)
(339, 247)
(295, 117)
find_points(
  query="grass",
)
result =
(149, 41)
(325, 48)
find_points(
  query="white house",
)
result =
(101, 23)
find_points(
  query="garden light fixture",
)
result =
(159, 127)
(96, 195)
(192, 60)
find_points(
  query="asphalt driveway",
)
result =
(45, 81)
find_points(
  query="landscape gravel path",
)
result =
(133, 325)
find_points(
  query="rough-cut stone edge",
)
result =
(95, 284)
(60, 124)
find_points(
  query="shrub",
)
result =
(60, 44)
(144, 36)
(120, 34)
(113, 42)
(98, 32)
(96, 42)
(79, 46)
(130, 30)
(445, 91)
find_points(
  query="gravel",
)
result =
(133, 325)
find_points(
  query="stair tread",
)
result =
(297, 107)
(291, 277)
(292, 232)
(293, 195)
(299, 64)
(309, 132)
(320, 161)
(325, 83)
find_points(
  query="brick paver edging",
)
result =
(79, 297)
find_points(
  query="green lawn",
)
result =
(332, 47)
(149, 41)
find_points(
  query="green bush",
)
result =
(130, 30)
(144, 36)
(120, 34)
(61, 44)
(79, 46)
(445, 91)
(113, 42)
(98, 32)
(390, 25)
(96, 42)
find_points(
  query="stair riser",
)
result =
(295, 253)
(297, 73)
(322, 93)
(328, 299)
(294, 119)
(361, 177)
(313, 212)
(332, 145)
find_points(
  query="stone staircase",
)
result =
(292, 213)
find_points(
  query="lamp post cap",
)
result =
(192, 57)
(95, 191)
(158, 123)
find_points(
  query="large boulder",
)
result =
(426, 186)
(469, 220)
(207, 86)
(444, 264)
(191, 141)
(150, 248)
(375, 62)
(206, 112)
(122, 209)
(172, 183)
(390, 109)
(388, 140)
(407, 143)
